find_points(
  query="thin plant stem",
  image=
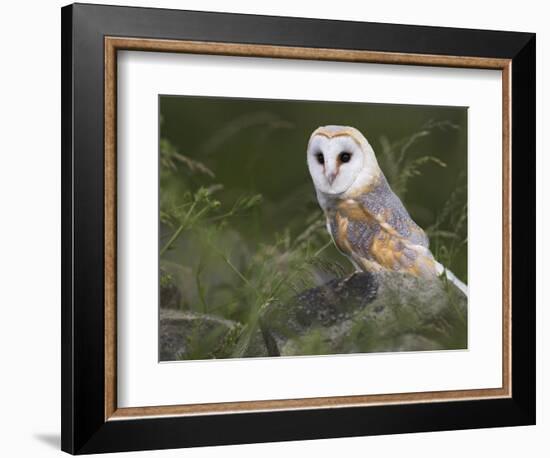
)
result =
(183, 226)
(172, 239)
(323, 248)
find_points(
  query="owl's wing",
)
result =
(382, 236)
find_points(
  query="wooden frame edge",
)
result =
(111, 46)
(507, 227)
(110, 196)
(334, 402)
(292, 52)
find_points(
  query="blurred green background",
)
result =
(240, 224)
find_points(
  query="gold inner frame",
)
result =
(114, 44)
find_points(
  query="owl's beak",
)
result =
(331, 177)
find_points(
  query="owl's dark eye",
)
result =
(345, 157)
(320, 158)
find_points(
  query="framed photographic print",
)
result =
(270, 222)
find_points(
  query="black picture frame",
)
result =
(84, 427)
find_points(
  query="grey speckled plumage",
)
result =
(381, 197)
(360, 233)
(367, 221)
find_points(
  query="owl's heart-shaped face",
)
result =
(334, 163)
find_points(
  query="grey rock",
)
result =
(365, 312)
(189, 335)
(252, 346)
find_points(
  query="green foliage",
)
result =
(215, 245)
(209, 343)
(397, 162)
(166, 280)
(401, 163)
(449, 232)
(200, 208)
(170, 157)
(274, 270)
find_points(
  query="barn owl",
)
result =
(366, 220)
